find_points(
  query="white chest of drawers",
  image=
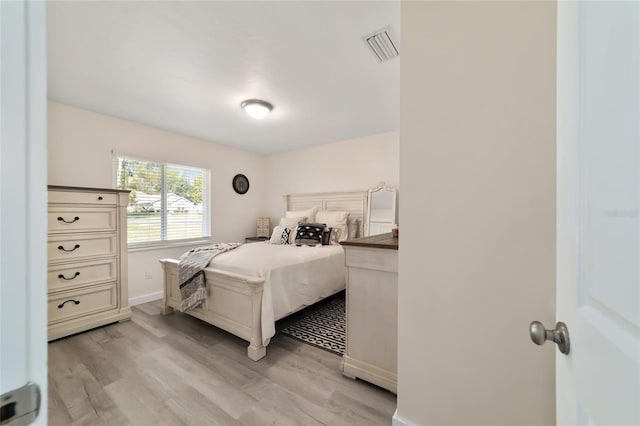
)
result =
(87, 259)
(372, 310)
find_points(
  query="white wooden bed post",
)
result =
(256, 349)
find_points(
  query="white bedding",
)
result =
(295, 277)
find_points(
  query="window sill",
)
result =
(160, 245)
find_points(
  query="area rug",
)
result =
(322, 325)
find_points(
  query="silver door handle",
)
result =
(559, 335)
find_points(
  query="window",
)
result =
(167, 202)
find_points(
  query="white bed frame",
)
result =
(235, 301)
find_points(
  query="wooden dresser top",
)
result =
(382, 241)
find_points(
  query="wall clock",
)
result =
(240, 184)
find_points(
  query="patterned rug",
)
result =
(322, 325)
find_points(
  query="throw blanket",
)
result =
(193, 288)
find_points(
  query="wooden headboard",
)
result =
(354, 202)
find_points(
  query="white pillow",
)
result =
(335, 219)
(310, 214)
(292, 221)
(276, 235)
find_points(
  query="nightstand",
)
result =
(255, 239)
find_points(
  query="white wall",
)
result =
(79, 149)
(355, 164)
(477, 161)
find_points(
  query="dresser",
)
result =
(372, 310)
(87, 259)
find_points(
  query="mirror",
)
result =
(381, 211)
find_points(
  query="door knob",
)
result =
(559, 335)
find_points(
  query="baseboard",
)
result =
(398, 421)
(149, 297)
(371, 373)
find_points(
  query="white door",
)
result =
(598, 230)
(23, 204)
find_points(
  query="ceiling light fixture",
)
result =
(256, 108)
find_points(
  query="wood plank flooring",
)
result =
(178, 370)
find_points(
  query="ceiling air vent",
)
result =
(382, 45)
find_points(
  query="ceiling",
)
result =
(187, 66)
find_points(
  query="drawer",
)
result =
(81, 219)
(68, 305)
(371, 258)
(99, 198)
(80, 247)
(67, 276)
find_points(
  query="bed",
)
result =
(256, 284)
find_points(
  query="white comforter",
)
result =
(295, 277)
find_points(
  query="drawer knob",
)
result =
(60, 306)
(60, 218)
(100, 198)
(68, 279)
(77, 246)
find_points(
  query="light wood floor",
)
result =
(177, 370)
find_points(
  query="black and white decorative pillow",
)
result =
(330, 236)
(284, 238)
(309, 234)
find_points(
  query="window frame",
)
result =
(164, 242)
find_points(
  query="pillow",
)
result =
(281, 235)
(330, 236)
(292, 221)
(335, 219)
(310, 214)
(276, 235)
(292, 234)
(309, 234)
(286, 235)
(353, 226)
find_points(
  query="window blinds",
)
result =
(167, 202)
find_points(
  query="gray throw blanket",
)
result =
(193, 288)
